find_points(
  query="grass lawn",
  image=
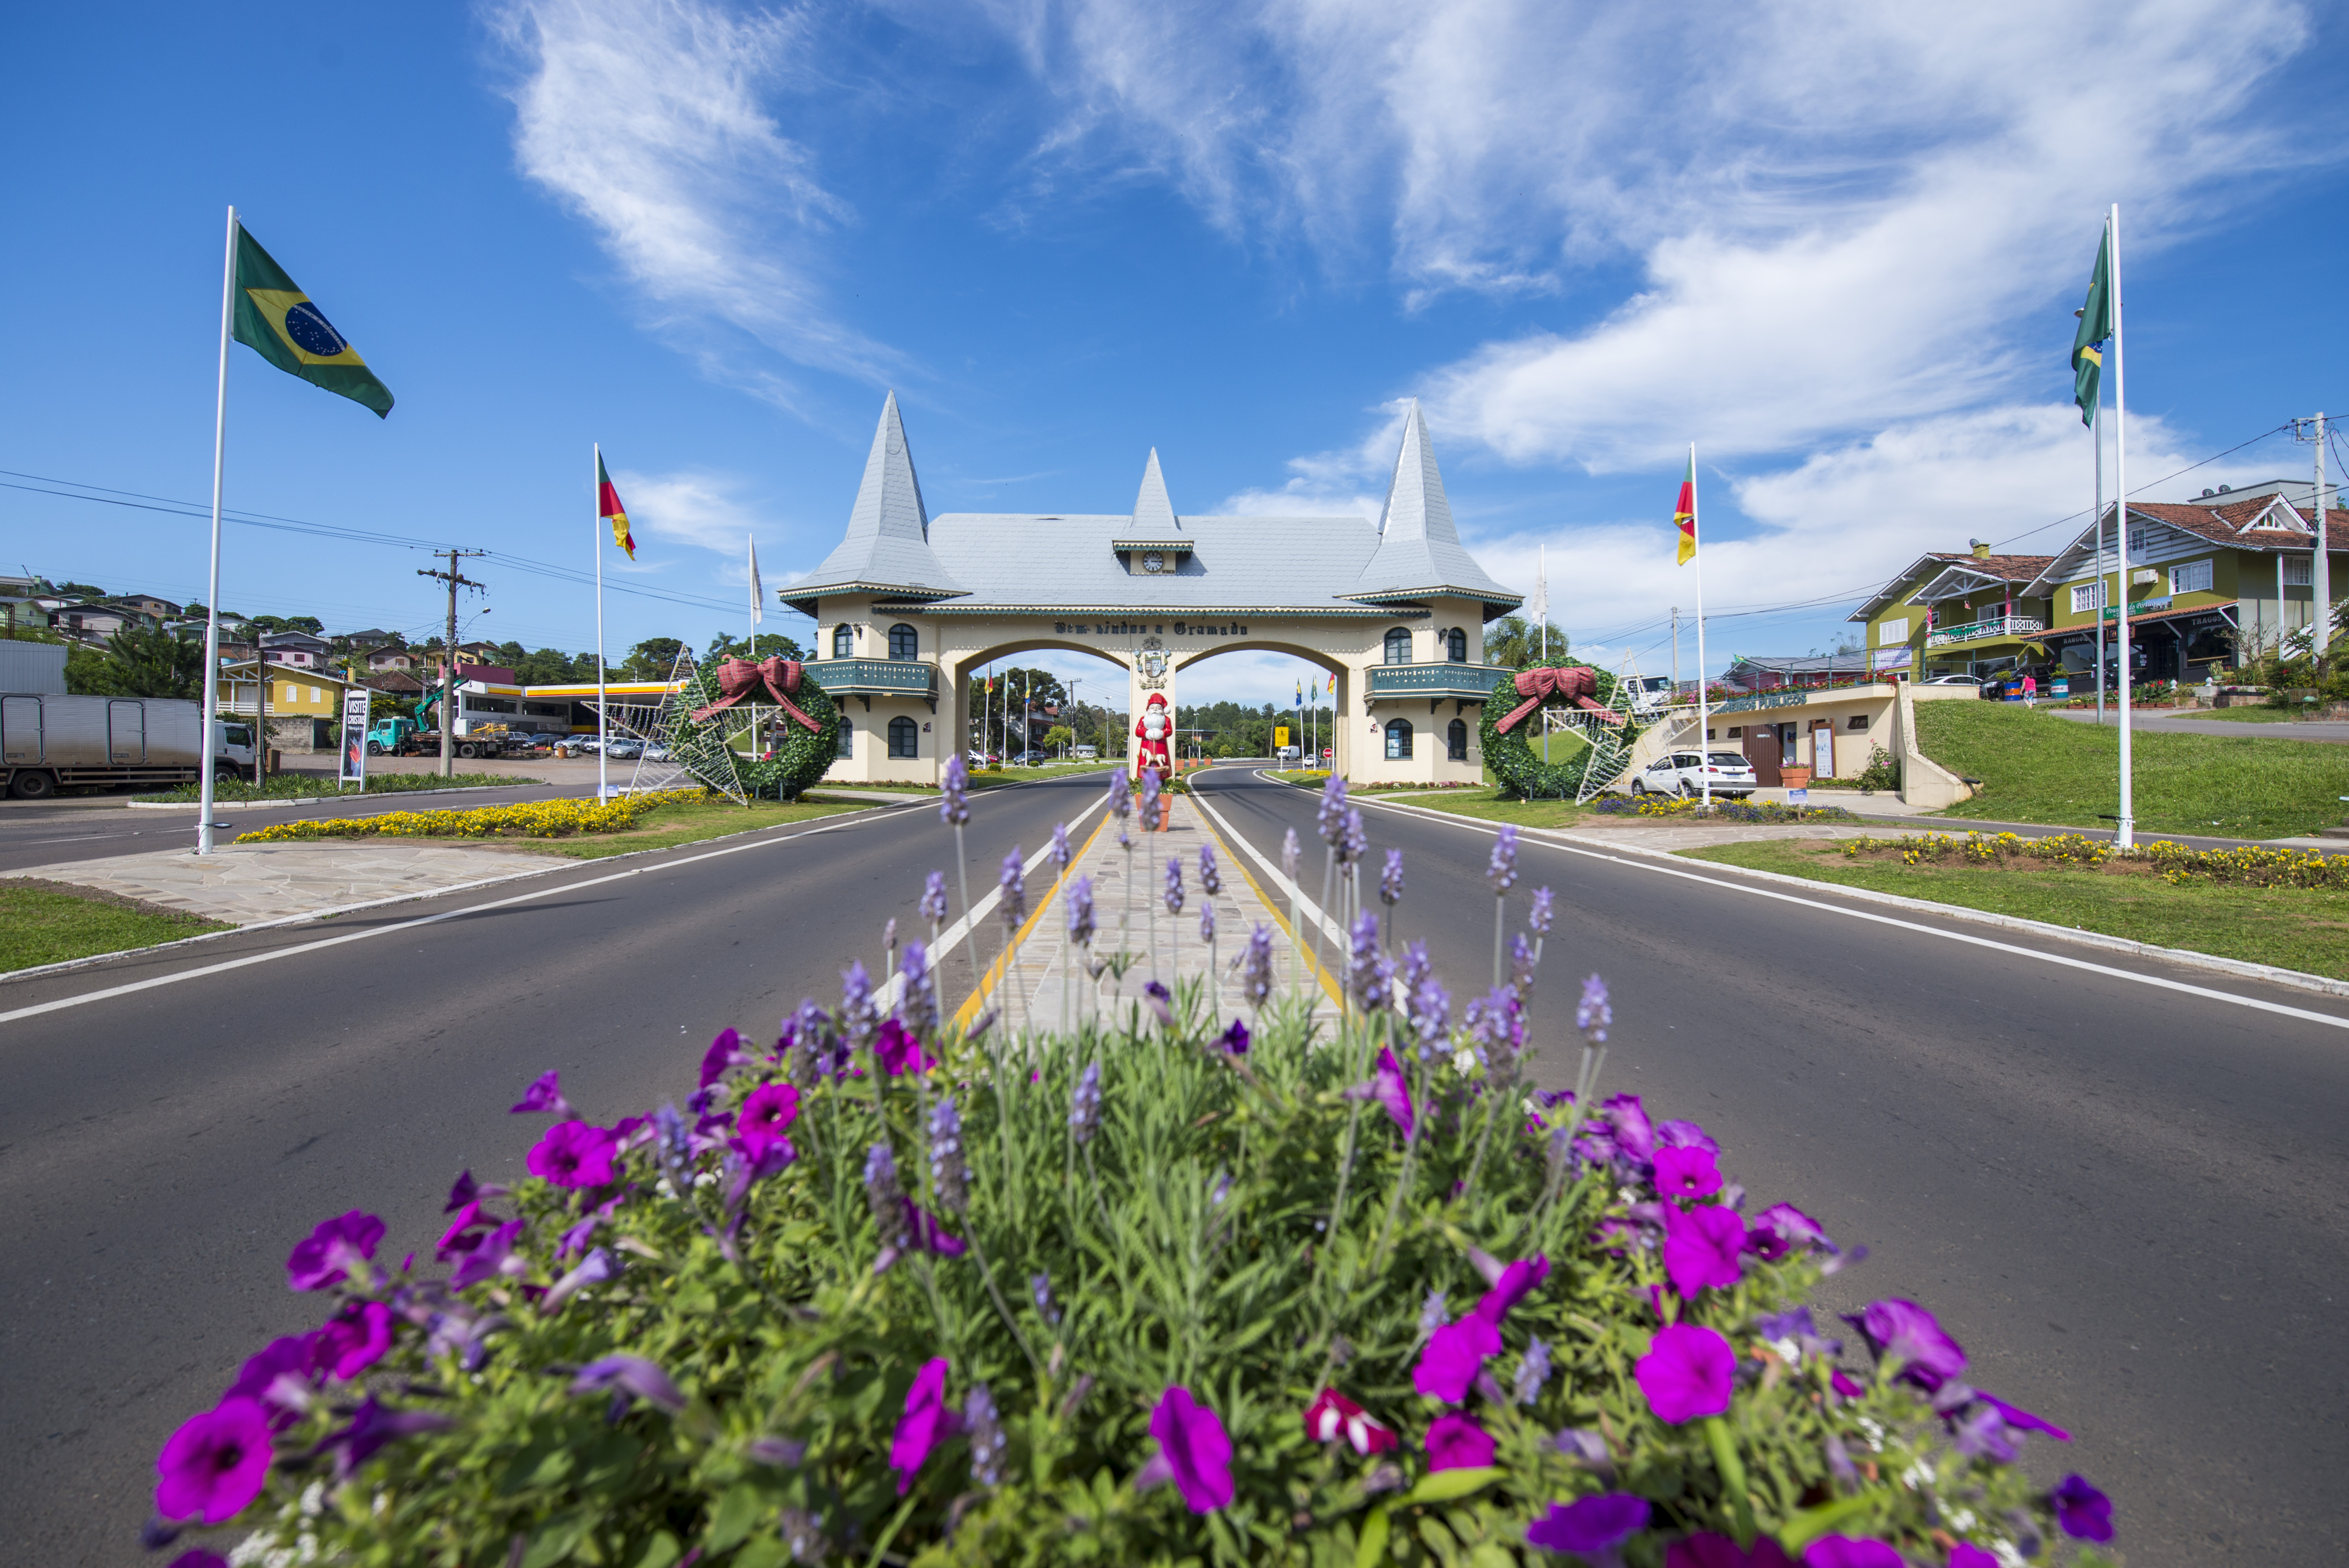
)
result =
(48, 923)
(312, 786)
(2038, 769)
(664, 826)
(2296, 928)
(2252, 714)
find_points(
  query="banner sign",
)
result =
(355, 727)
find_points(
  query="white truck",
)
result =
(49, 742)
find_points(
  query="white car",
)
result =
(1728, 773)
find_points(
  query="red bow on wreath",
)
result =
(1574, 684)
(738, 678)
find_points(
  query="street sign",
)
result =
(355, 727)
(1280, 735)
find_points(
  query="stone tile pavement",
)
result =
(245, 884)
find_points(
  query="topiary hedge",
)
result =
(803, 756)
(1174, 1287)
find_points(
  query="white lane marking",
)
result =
(1731, 885)
(1305, 906)
(946, 943)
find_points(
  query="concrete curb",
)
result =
(314, 799)
(2297, 979)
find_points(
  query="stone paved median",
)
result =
(243, 883)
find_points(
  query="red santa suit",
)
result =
(1154, 728)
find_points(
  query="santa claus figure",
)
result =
(1154, 728)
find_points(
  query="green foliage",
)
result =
(801, 757)
(139, 661)
(1517, 644)
(1238, 1227)
(310, 623)
(1882, 772)
(769, 645)
(652, 659)
(1510, 758)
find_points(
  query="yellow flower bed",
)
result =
(533, 820)
(2174, 862)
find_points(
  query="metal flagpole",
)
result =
(1704, 736)
(2319, 569)
(2096, 437)
(211, 586)
(2126, 837)
(603, 730)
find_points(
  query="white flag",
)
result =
(757, 609)
(1539, 609)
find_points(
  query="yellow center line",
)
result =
(996, 971)
(1240, 864)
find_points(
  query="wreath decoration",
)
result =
(1507, 721)
(809, 738)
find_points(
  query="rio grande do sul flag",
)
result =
(1685, 514)
(608, 506)
(278, 321)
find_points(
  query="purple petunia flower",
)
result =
(1080, 912)
(279, 1377)
(954, 793)
(216, 1463)
(1544, 912)
(1234, 1041)
(197, 1557)
(1329, 818)
(375, 1426)
(1904, 1332)
(1012, 881)
(1982, 1434)
(1686, 1173)
(334, 1250)
(547, 1094)
(573, 1154)
(1501, 870)
(1706, 1549)
(494, 1256)
(1511, 1284)
(2082, 1512)
(1592, 1015)
(596, 1268)
(1211, 876)
(1592, 1527)
(1688, 1372)
(1085, 1104)
(725, 1051)
(353, 1340)
(1795, 1227)
(1702, 1247)
(899, 1050)
(930, 1236)
(1390, 880)
(766, 1115)
(1966, 1555)
(934, 898)
(1628, 1118)
(1455, 1354)
(463, 1191)
(927, 1419)
(1193, 1452)
(631, 1375)
(918, 1003)
(1388, 1086)
(2021, 1420)
(1455, 1442)
(1685, 1135)
(1256, 967)
(1845, 1552)
(1174, 891)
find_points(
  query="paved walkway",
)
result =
(242, 884)
(1048, 972)
(1701, 835)
(2193, 721)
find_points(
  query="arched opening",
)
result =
(1004, 721)
(1398, 741)
(904, 643)
(847, 737)
(904, 737)
(843, 640)
(1399, 646)
(1313, 709)
(1455, 741)
(1455, 645)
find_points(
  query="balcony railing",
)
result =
(876, 678)
(1996, 626)
(1435, 681)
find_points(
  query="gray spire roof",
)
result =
(888, 542)
(1419, 548)
(1154, 514)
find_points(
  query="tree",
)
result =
(652, 659)
(1514, 643)
(771, 645)
(1057, 737)
(310, 623)
(552, 666)
(81, 591)
(140, 661)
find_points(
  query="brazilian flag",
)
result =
(276, 320)
(2095, 327)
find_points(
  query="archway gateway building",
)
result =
(908, 607)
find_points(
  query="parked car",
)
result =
(625, 750)
(577, 745)
(1952, 680)
(1688, 773)
(1031, 759)
(655, 753)
(983, 759)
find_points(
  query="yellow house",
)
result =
(304, 705)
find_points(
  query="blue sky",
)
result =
(1838, 247)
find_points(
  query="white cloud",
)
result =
(647, 118)
(693, 508)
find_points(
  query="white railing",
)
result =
(1996, 626)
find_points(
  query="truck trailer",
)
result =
(48, 742)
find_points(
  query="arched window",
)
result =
(1455, 645)
(847, 737)
(843, 640)
(904, 737)
(904, 643)
(1455, 741)
(1399, 741)
(1399, 646)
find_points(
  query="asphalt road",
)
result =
(2125, 1198)
(2126, 1201)
(160, 1150)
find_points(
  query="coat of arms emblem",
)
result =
(1151, 660)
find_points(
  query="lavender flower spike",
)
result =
(1592, 1015)
(1211, 876)
(1149, 798)
(919, 1008)
(1121, 803)
(1291, 856)
(1353, 839)
(858, 1017)
(953, 804)
(1174, 885)
(1062, 853)
(1040, 1287)
(1080, 912)
(1544, 912)
(1085, 1104)
(1501, 870)
(1206, 921)
(1014, 885)
(1369, 975)
(949, 1171)
(988, 1441)
(1390, 880)
(1330, 819)
(887, 1199)
(1256, 967)
(933, 899)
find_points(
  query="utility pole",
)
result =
(2320, 571)
(456, 580)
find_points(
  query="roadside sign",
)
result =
(355, 727)
(1280, 735)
